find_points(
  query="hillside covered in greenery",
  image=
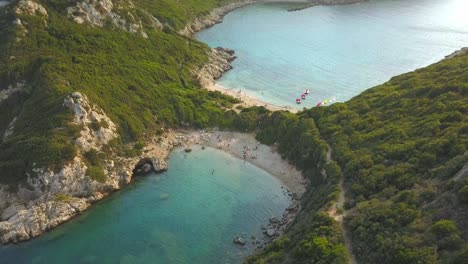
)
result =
(143, 84)
(398, 147)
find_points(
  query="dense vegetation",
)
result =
(314, 237)
(176, 13)
(399, 145)
(142, 84)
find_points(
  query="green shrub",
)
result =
(463, 195)
(62, 197)
(97, 174)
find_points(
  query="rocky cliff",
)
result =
(219, 62)
(98, 13)
(51, 198)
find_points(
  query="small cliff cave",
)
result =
(143, 167)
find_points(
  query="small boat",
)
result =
(298, 101)
(319, 104)
(303, 96)
(307, 91)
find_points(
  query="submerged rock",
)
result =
(164, 196)
(239, 241)
(271, 232)
(274, 220)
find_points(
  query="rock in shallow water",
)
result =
(274, 220)
(164, 196)
(159, 165)
(239, 241)
(271, 232)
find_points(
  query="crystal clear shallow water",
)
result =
(335, 51)
(186, 215)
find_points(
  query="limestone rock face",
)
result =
(218, 63)
(30, 7)
(97, 130)
(98, 12)
(11, 211)
(12, 89)
(39, 218)
(159, 165)
(92, 12)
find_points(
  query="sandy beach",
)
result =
(245, 146)
(247, 100)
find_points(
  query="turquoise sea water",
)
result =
(186, 215)
(335, 51)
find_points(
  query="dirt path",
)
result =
(463, 172)
(338, 213)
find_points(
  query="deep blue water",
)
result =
(186, 215)
(335, 51)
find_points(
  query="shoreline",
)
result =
(28, 221)
(220, 58)
(244, 146)
(259, 155)
(247, 100)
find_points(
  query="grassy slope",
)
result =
(399, 145)
(143, 84)
(177, 13)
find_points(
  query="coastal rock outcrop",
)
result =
(50, 197)
(152, 164)
(457, 53)
(159, 165)
(218, 63)
(45, 216)
(239, 241)
(97, 128)
(215, 17)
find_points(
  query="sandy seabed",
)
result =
(245, 146)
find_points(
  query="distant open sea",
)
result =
(335, 51)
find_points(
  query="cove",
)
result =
(335, 51)
(185, 215)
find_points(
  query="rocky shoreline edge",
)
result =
(55, 198)
(245, 146)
